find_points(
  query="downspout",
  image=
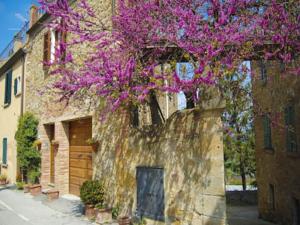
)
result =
(23, 85)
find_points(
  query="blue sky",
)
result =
(13, 14)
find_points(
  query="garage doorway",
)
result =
(80, 164)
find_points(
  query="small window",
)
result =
(4, 151)
(282, 66)
(17, 86)
(291, 136)
(263, 72)
(271, 197)
(8, 84)
(267, 132)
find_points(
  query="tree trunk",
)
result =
(243, 176)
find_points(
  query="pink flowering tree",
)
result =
(214, 36)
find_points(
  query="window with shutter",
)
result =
(16, 86)
(8, 84)
(263, 72)
(47, 48)
(291, 137)
(4, 151)
(267, 132)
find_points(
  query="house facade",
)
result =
(276, 95)
(180, 160)
(12, 69)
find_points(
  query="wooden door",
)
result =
(80, 154)
(52, 164)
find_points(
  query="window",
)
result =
(150, 193)
(4, 151)
(271, 197)
(263, 72)
(8, 81)
(53, 41)
(267, 132)
(291, 136)
(17, 86)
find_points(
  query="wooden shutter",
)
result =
(4, 151)
(263, 71)
(16, 86)
(8, 83)
(267, 132)
(47, 47)
(291, 138)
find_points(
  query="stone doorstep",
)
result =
(51, 194)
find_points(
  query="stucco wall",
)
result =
(8, 123)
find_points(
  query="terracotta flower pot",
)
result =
(3, 182)
(26, 188)
(90, 211)
(35, 189)
(103, 215)
(124, 220)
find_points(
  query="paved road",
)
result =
(244, 215)
(17, 208)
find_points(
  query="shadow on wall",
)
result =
(189, 148)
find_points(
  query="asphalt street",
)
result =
(17, 208)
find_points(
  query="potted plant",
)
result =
(91, 193)
(37, 144)
(124, 220)
(94, 143)
(34, 177)
(3, 179)
(103, 213)
(55, 143)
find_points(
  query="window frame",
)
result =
(17, 86)
(290, 129)
(267, 132)
(8, 88)
(263, 71)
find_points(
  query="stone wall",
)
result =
(276, 166)
(189, 147)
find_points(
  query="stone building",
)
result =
(276, 95)
(170, 173)
(11, 97)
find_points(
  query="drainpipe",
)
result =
(23, 85)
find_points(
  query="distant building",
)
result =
(12, 69)
(276, 95)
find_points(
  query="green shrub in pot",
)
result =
(92, 192)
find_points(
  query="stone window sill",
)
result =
(269, 150)
(18, 94)
(6, 105)
(4, 165)
(293, 154)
